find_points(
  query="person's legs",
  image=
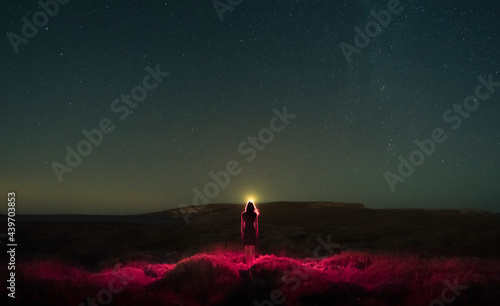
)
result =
(247, 255)
(252, 255)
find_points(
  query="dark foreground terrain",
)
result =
(309, 254)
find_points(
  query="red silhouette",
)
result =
(250, 231)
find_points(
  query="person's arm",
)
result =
(242, 227)
(257, 226)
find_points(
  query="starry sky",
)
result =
(230, 69)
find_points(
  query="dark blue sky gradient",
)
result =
(352, 120)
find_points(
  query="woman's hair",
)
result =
(251, 207)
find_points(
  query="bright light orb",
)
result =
(249, 197)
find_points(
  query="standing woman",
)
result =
(250, 231)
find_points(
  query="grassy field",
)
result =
(387, 257)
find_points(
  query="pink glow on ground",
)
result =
(210, 278)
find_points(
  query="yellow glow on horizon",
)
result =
(250, 197)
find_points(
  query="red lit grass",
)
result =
(214, 278)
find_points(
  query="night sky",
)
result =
(227, 79)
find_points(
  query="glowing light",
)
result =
(250, 196)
